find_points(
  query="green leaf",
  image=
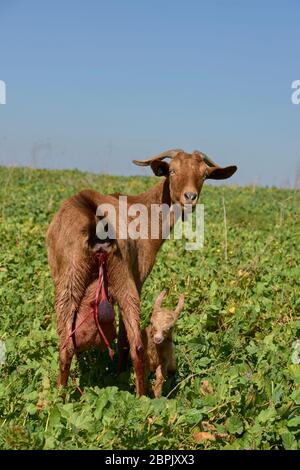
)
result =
(81, 420)
(289, 441)
(101, 403)
(296, 397)
(31, 408)
(267, 415)
(295, 373)
(54, 418)
(294, 422)
(191, 417)
(234, 425)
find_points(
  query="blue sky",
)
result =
(94, 84)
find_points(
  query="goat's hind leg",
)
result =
(65, 360)
(131, 317)
(66, 352)
(123, 347)
(172, 361)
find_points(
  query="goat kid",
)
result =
(158, 342)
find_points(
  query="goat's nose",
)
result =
(158, 339)
(190, 196)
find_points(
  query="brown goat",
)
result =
(71, 241)
(158, 342)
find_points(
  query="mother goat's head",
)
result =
(186, 173)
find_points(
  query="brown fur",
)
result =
(71, 243)
(158, 342)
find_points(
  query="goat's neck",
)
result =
(159, 194)
(148, 248)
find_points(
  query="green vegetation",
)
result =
(237, 384)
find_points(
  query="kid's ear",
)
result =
(180, 305)
(160, 168)
(159, 300)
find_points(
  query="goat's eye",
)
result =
(172, 172)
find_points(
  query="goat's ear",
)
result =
(159, 300)
(218, 173)
(160, 168)
(179, 307)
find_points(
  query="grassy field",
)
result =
(237, 384)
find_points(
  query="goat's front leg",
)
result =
(130, 311)
(161, 374)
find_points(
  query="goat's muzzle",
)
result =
(158, 339)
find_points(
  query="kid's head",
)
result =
(162, 319)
